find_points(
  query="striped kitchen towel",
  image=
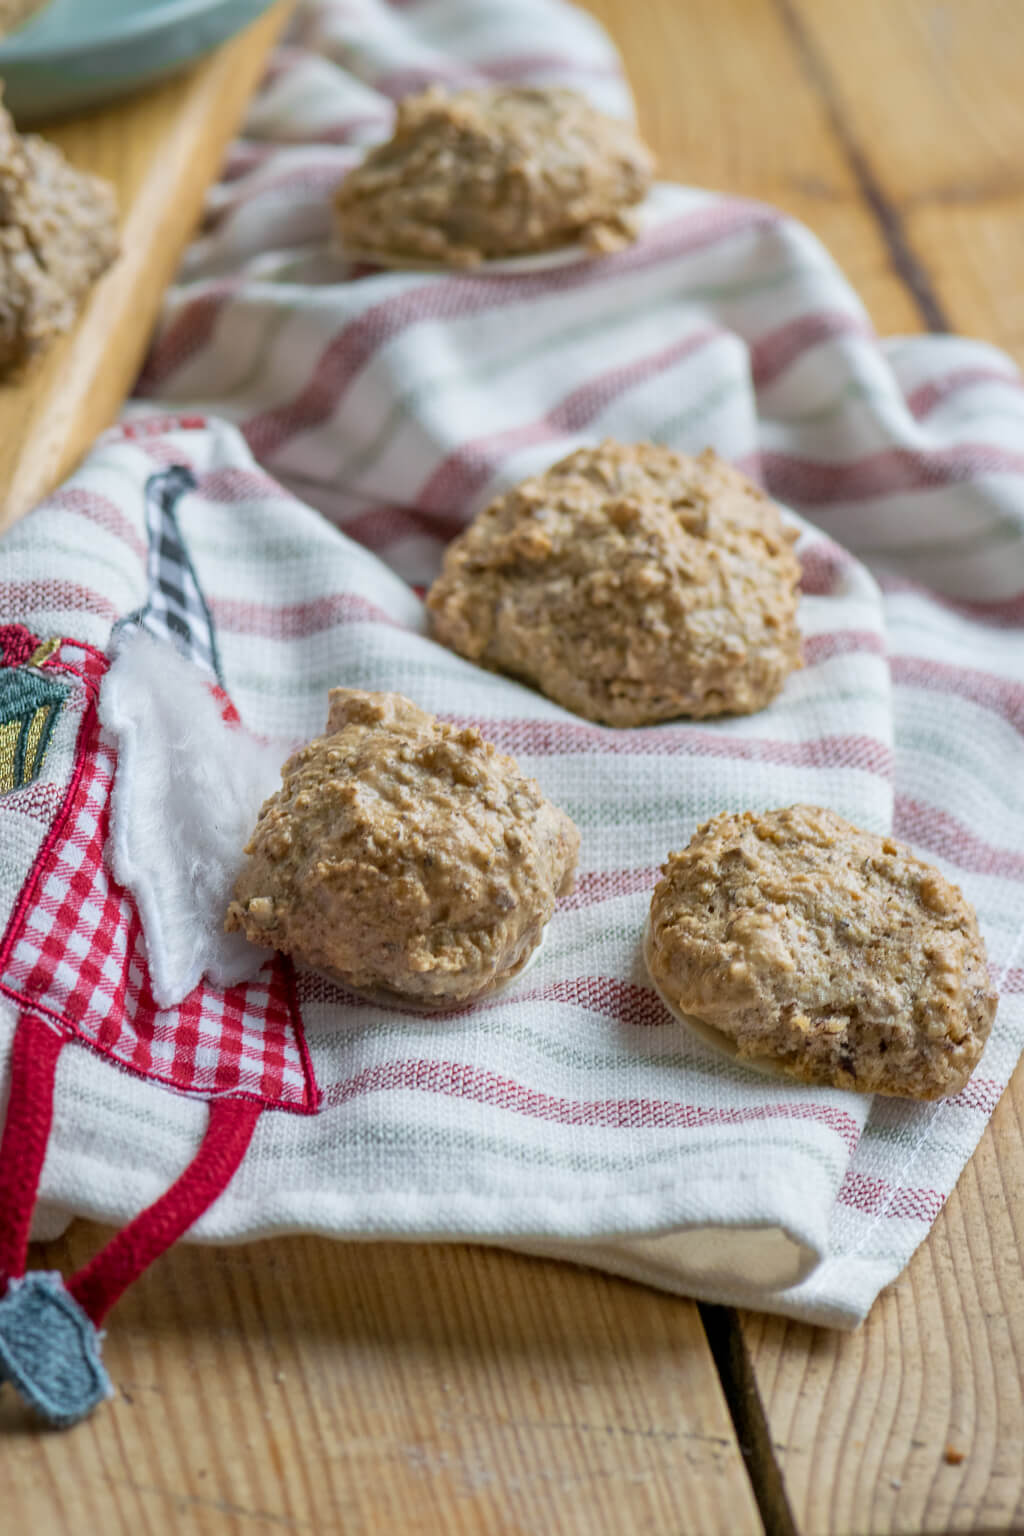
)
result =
(569, 1116)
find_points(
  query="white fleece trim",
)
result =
(186, 796)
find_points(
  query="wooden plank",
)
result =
(861, 1424)
(892, 127)
(161, 149)
(316, 1386)
(724, 102)
(926, 101)
(931, 95)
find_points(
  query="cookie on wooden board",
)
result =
(58, 232)
(837, 955)
(496, 172)
(404, 857)
(630, 584)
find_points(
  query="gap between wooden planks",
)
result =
(894, 129)
(161, 149)
(314, 1386)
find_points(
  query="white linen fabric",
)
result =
(570, 1116)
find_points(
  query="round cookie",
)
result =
(404, 857)
(501, 171)
(836, 954)
(630, 584)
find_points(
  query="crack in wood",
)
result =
(731, 1357)
(901, 254)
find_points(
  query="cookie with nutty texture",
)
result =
(838, 955)
(58, 233)
(630, 584)
(405, 857)
(501, 171)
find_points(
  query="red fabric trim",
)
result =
(310, 1105)
(265, 1059)
(94, 651)
(25, 900)
(228, 712)
(26, 1131)
(90, 671)
(157, 426)
(314, 1102)
(105, 1278)
(81, 953)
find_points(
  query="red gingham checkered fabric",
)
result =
(78, 954)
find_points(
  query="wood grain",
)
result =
(724, 101)
(161, 149)
(861, 1425)
(932, 94)
(894, 128)
(317, 1386)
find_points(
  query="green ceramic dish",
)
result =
(80, 53)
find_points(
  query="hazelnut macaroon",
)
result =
(838, 956)
(630, 584)
(404, 857)
(501, 171)
(58, 233)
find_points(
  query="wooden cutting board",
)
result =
(161, 149)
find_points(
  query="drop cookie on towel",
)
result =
(405, 857)
(496, 172)
(836, 955)
(630, 584)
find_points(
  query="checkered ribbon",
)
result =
(176, 609)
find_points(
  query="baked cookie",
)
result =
(630, 584)
(496, 172)
(837, 955)
(58, 232)
(404, 857)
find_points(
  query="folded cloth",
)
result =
(570, 1116)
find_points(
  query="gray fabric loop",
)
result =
(50, 1351)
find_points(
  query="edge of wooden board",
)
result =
(53, 412)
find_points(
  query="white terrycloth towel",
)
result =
(187, 794)
(571, 1115)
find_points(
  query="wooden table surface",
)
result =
(308, 1386)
